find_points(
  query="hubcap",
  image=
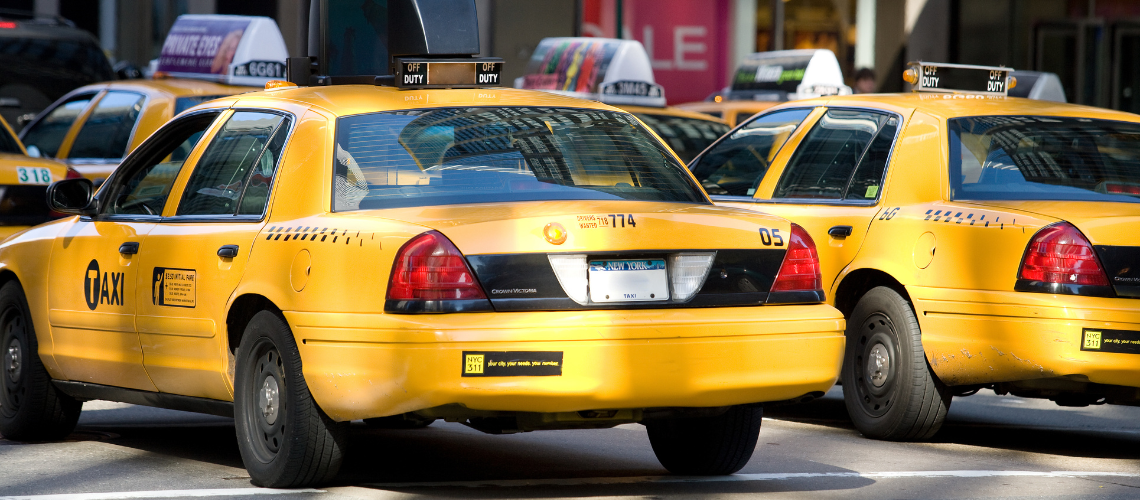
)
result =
(872, 362)
(12, 360)
(269, 400)
(878, 365)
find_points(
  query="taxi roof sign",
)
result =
(236, 50)
(405, 43)
(959, 78)
(609, 70)
(782, 75)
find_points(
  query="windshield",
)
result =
(1044, 158)
(687, 136)
(480, 155)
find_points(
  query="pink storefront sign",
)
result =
(689, 41)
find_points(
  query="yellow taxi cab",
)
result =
(436, 249)
(204, 57)
(765, 79)
(972, 240)
(618, 73)
(23, 184)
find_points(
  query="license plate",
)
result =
(634, 280)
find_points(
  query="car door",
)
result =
(103, 137)
(95, 266)
(732, 168)
(832, 182)
(195, 257)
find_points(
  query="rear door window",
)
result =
(841, 157)
(107, 131)
(236, 171)
(735, 165)
(47, 134)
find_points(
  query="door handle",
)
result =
(228, 251)
(129, 248)
(839, 231)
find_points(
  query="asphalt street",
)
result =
(992, 447)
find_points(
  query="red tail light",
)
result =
(800, 270)
(429, 267)
(1061, 254)
(73, 174)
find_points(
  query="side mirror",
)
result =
(34, 151)
(71, 196)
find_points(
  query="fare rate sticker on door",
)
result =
(174, 287)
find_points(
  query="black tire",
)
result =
(31, 408)
(403, 421)
(888, 387)
(286, 441)
(706, 446)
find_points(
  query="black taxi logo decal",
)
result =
(173, 287)
(512, 363)
(102, 288)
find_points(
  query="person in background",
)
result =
(864, 81)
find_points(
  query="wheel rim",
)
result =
(14, 361)
(876, 364)
(266, 402)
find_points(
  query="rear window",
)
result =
(687, 136)
(1044, 158)
(480, 155)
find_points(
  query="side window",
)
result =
(47, 134)
(150, 174)
(107, 132)
(235, 173)
(826, 160)
(735, 165)
(868, 179)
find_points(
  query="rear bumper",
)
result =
(979, 337)
(371, 365)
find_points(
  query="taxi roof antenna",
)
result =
(370, 41)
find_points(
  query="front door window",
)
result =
(736, 164)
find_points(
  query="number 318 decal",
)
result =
(769, 236)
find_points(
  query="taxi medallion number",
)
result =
(33, 175)
(606, 220)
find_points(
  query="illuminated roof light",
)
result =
(278, 84)
(910, 76)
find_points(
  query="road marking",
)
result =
(779, 476)
(224, 492)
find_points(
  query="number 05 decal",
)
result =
(770, 236)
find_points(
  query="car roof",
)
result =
(344, 100)
(947, 106)
(176, 87)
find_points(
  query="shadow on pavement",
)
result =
(983, 422)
